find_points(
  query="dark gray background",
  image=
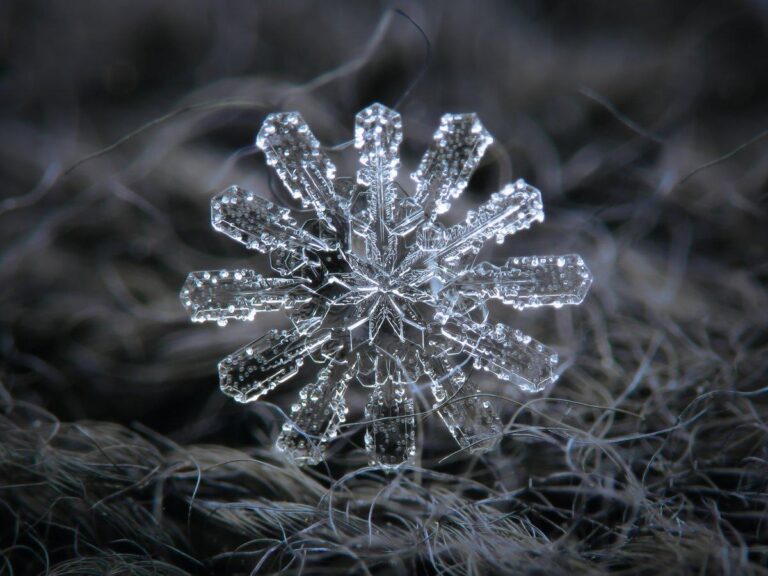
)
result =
(643, 123)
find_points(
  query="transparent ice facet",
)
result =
(259, 223)
(506, 353)
(317, 414)
(380, 294)
(222, 295)
(305, 170)
(528, 281)
(458, 146)
(390, 437)
(471, 418)
(260, 366)
(514, 208)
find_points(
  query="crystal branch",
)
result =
(221, 295)
(259, 224)
(528, 281)
(471, 419)
(508, 354)
(307, 173)
(316, 417)
(378, 133)
(514, 208)
(390, 437)
(457, 148)
(259, 367)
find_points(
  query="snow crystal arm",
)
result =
(512, 209)
(316, 417)
(528, 281)
(390, 438)
(458, 145)
(307, 173)
(378, 134)
(258, 223)
(259, 367)
(508, 354)
(222, 295)
(472, 420)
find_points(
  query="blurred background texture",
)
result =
(644, 124)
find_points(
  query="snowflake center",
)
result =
(388, 287)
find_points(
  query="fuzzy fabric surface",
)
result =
(644, 124)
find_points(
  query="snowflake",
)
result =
(378, 290)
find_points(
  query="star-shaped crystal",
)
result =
(378, 291)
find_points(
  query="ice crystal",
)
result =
(379, 292)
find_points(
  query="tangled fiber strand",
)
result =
(643, 126)
(112, 499)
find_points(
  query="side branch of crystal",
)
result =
(378, 134)
(439, 252)
(305, 170)
(508, 354)
(528, 281)
(222, 295)
(259, 367)
(470, 418)
(390, 438)
(378, 291)
(316, 417)
(514, 208)
(259, 223)
(457, 147)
